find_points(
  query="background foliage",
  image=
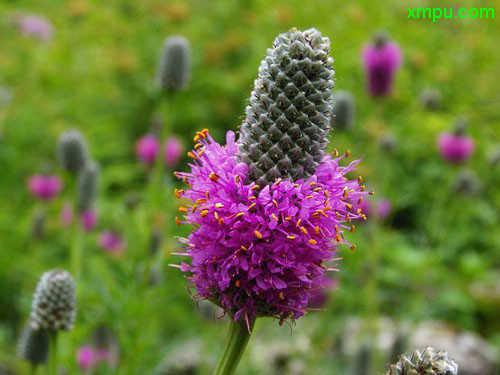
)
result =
(437, 256)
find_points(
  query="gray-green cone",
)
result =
(54, 302)
(429, 362)
(342, 111)
(33, 345)
(72, 151)
(284, 134)
(174, 67)
(87, 186)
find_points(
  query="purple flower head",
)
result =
(455, 148)
(147, 149)
(381, 60)
(66, 215)
(111, 241)
(44, 187)
(262, 251)
(88, 219)
(86, 358)
(173, 151)
(36, 26)
(384, 208)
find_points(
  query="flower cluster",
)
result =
(262, 251)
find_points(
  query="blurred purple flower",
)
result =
(66, 214)
(88, 219)
(36, 26)
(263, 254)
(44, 187)
(366, 207)
(381, 60)
(173, 151)
(111, 241)
(383, 209)
(86, 358)
(147, 149)
(455, 148)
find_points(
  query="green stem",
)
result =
(32, 369)
(76, 251)
(52, 353)
(237, 340)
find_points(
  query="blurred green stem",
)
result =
(52, 367)
(76, 250)
(236, 342)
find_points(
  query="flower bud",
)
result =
(429, 362)
(54, 302)
(284, 134)
(342, 111)
(174, 67)
(33, 345)
(87, 186)
(72, 151)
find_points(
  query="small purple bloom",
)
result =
(44, 187)
(366, 207)
(86, 358)
(36, 26)
(111, 241)
(173, 151)
(66, 215)
(262, 251)
(88, 220)
(455, 148)
(381, 60)
(384, 208)
(147, 149)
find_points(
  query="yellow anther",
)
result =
(277, 182)
(201, 201)
(312, 183)
(213, 177)
(318, 189)
(240, 214)
(219, 205)
(353, 247)
(316, 230)
(282, 297)
(243, 248)
(353, 228)
(312, 241)
(360, 179)
(348, 153)
(291, 237)
(178, 193)
(177, 221)
(183, 210)
(191, 155)
(255, 187)
(309, 196)
(252, 198)
(204, 213)
(193, 209)
(216, 215)
(298, 222)
(252, 206)
(258, 234)
(335, 152)
(274, 216)
(275, 203)
(304, 230)
(237, 179)
(338, 237)
(221, 221)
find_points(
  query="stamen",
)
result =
(274, 216)
(191, 155)
(204, 213)
(304, 230)
(183, 210)
(177, 221)
(213, 177)
(219, 205)
(291, 237)
(313, 241)
(258, 234)
(178, 193)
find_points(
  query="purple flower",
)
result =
(36, 26)
(173, 151)
(88, 220)
(86, 358)
(111, 241)
(66, 215)
(381, 60)
(365, 207)
(147, 149)
(44, 187)
(262, 251)
(384, 208)
(455, 148)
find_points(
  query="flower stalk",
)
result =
(236, 343)
(53, 353)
